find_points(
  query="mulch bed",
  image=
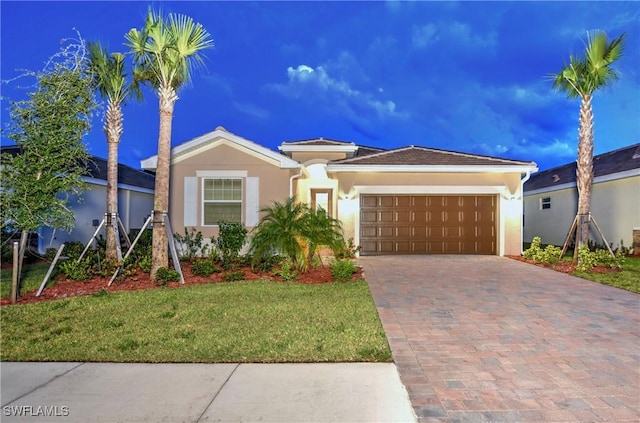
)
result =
(65, 288)
(567, 267)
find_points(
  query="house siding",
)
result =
(615, 205)
(272, 182)
(133, 209)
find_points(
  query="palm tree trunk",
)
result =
(584, 171)
(113, 129)
(160, 256)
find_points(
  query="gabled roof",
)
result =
(219, 135)
(625, 160)
(318, 141)
(412, 159)
(97, 169)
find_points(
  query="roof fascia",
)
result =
(190, 148)
(324, 148)
(431, 168)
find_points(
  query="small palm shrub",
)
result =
(295, 231)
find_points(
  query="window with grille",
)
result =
(222, 200)
(545, 203)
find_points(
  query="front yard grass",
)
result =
(628, 278)
(257, 321)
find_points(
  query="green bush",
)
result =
(190, 245)
(231, 239)
(204, 267)
(77, 271)
(238, 275)
(588, 259)
(288, 270)
(343, 269)
(164, 275)
(550, 254)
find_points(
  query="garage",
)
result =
(428, 224)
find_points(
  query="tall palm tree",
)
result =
(109, 78)
(164, 51)
(581, 78)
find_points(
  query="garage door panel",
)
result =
(423, 224)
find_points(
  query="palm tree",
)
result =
(581, 79)
(296, 231)
(164, 53)
(109, 78)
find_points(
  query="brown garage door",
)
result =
(428, 224)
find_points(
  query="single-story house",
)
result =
(135, 203)
(551, 199)
(410, 200)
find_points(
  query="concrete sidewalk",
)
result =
(114, 392)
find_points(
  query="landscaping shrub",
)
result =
(77, 271)
(189, 244)
(295, 231)
(343, 269)
(238, 275)
(164, 275)
(287, 271)
(231, 239)
(588, 259)
(550, 254)
(204, 267)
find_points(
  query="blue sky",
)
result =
(461, 76)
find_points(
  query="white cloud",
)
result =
(308, 82)
(422, 36)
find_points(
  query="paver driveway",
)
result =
(485, 338)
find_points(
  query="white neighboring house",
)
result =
(551, 200)
(135, 203)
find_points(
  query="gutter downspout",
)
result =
(291, 181)
(522, 182)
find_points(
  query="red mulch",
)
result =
(567, 267)
(65, 288)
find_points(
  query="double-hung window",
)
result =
(222, 200)
(545, 203)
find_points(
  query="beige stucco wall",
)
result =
(303, 156)
(273, 183)
(615, 205)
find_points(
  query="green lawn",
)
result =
(628, 278)
(31, 279)
(230, 322)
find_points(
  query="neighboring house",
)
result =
(135, 203)
(551, 199)
(409, 200)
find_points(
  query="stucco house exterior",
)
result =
(410, 200)
(551, 199)
(135, 203)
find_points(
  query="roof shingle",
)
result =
(422, 156)
(623, 159)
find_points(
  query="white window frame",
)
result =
(545, 203)
(204, 201)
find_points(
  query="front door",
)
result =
(322, 197)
